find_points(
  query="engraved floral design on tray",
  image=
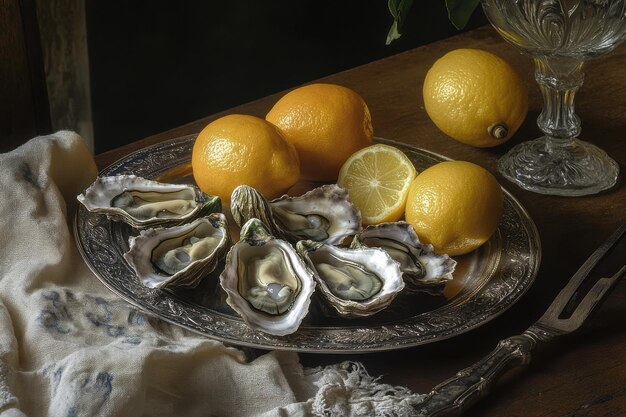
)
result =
(487, 281)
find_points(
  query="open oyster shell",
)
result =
(423, 269)
(324, 214)
(356, 282)
(181, 255)
(145, 203)
(266, 281)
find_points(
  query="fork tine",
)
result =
(599, 253)
(591, 301)
(566, 293)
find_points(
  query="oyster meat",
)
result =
(324, 214)
(181, 255)
(145, 203)
(266, 282)
(357, 282)
(422, 268)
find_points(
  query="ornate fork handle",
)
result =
(458, 393)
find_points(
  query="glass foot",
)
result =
(572, 168)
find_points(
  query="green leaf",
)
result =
(460, 11)
(398, 9)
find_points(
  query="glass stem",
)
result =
(559, 79)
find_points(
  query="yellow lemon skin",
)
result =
(240, 149)
(326, 123)
(475, 97)
(455, 206)
(378, 178)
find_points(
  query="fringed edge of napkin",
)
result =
(347, 389)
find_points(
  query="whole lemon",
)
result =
(475, 97)
(239, 149)
(326, 123)
(455, 206)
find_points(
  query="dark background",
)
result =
(159, 64)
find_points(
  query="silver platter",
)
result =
(487, 281)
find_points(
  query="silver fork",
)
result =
(458, 393)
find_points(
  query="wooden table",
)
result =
(578, 375)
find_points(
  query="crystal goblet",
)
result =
(560, 35)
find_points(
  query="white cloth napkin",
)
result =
(69, 347)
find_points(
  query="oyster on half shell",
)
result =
(324, 214)
(423, 269)
(145, 203)
(181, 255)
(357, 282)
(266, 281)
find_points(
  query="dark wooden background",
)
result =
(23, 97)
(159, 65)
(154, 68)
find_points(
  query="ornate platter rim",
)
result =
(515, 271)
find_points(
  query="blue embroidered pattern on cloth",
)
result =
(62, 311)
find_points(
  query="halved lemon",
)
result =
(378, 178)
